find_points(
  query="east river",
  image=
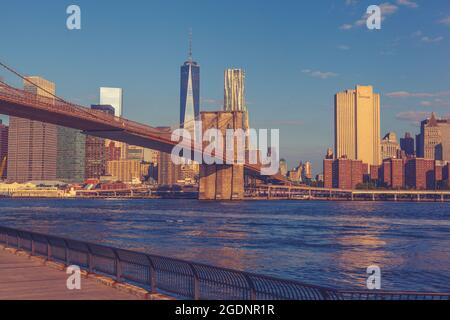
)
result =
(322, 243)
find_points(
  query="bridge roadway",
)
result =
(19, 103)
(25, 278)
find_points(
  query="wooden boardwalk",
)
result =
(22, 278)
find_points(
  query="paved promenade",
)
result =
(22, 278)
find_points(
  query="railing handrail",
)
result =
(194, 282)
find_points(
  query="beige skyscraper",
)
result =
(32, 147)
(357, 125)
(389, 146)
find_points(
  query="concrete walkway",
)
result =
(25, 278)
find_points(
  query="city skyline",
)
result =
(301, 87)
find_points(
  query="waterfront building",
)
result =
(357, 125)
(328, 173)
(189, 93)
(32, 145)
(71, 155)
(407, 145)
(434, 139)
(307, 171)
(95, 150)
(95, 166)
(151, 156)
(446, 172)
(3, 150)
(135, 153)
(113, 153)
(420, 174)
(127, 171)
(343, 173)
(168, 172)
(389, 146)
(296, 174)
(393, 173)
(189, 173)
(283, 167)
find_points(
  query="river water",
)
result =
(322, 243)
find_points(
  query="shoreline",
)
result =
(243, 200)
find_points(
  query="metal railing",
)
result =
(182, 279)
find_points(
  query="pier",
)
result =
(146, 276)
(25, 278)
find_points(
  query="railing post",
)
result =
(18, 241)
(90, 260)
(33, 249)
(118, 266)
(49, 250)
(153, 285)
(251, 287)
(66, 253)
(196, 282)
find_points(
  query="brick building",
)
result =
(343, 173)
(420, 174)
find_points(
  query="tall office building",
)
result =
(127, 170)
(135, 153)
(32, 145)
(389, 146)
(234, 93)
(3, 150)
(95, 159)
(190, 93)
(283, 167)
(114, 97)
(434, 139)
(168, 172)
(70, 166)
(234, 90)
(407, 144)
(357, 125)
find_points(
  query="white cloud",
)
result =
(346, 27)
(432, 40)
(320, 74)
(343, 47)
(406, 94)
(412, 116)
(351, 2)
(407, 3)
(445, 21)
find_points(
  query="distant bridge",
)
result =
(54, 110)
(274, 192)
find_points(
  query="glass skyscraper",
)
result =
(190, 94)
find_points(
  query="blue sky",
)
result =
(296, 54)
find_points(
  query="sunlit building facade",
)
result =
(357, 125)
(434, 139)
(389, 146)
(32, 145)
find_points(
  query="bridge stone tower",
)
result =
(222, 181)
